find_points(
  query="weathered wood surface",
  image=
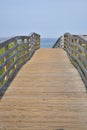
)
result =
(76, 48)
(46, 94)
(14, 52)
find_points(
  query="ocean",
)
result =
(44, 42)
(47, 42)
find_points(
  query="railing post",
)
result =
(62, 44)
(27, 49)
(86, 55)
(5, 59)
(31, 45)
(22, 42)
(15, 51)
(36, 41)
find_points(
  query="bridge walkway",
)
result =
(46, 94)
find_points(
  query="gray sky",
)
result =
(49, 18)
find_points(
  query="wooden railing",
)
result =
(76, 48)
(58, 43)
(14, 52)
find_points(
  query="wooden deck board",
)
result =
(47, 94)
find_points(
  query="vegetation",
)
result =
(2, 51)
(2, 60)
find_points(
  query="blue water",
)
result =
(47, 42)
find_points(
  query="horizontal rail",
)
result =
(76, 48)
(14, 53)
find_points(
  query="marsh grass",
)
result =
(2, 51)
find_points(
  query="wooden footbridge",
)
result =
(48, 92)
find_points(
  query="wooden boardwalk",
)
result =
(47, 94)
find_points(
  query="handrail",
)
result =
(14, 52)
(76, 48)
(58, 43)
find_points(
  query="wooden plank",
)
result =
(84, 77)
(77, 45)
(46, 94)
(77, 57)
(17, 51)
(8, 51)
(80, 63)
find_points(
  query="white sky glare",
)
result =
(49, 18)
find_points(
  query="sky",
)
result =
(49, 18)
